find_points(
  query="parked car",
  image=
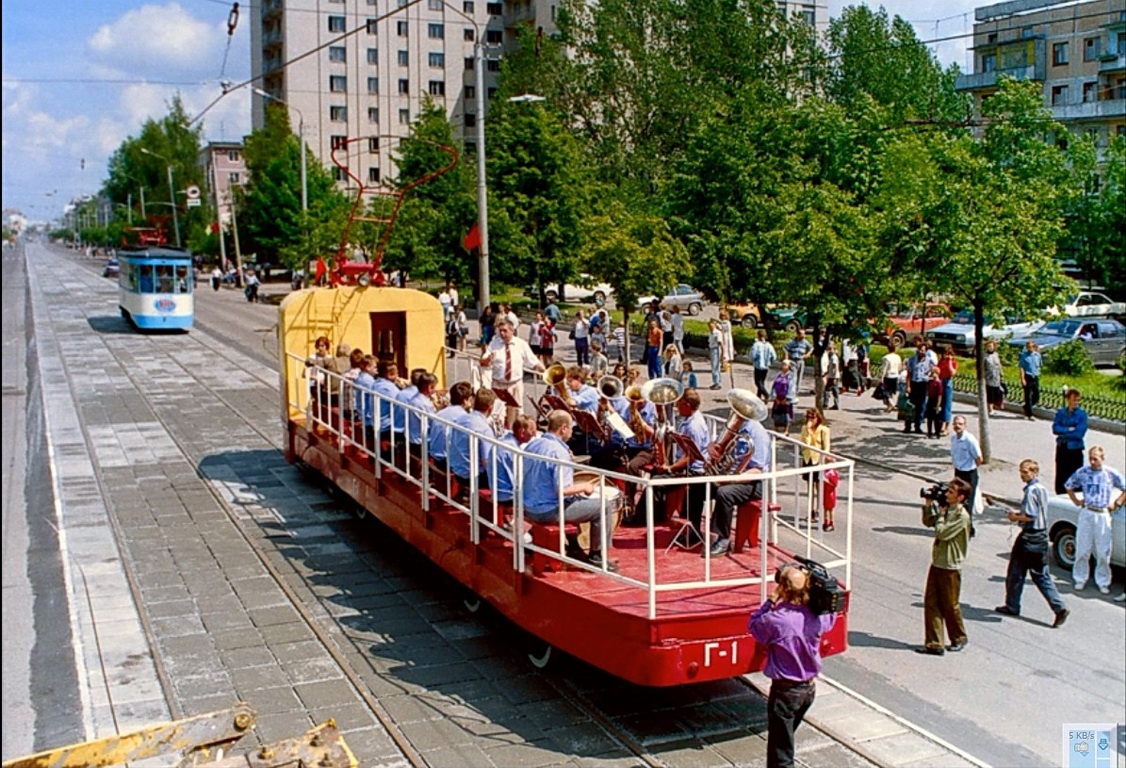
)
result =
(585, 288)
(905, 322)
(750, 316)
(1090, 304)
(1062, 521)
(959, 333)
(112, 268)
(1106, 342)
(684, 296)
(788, 318)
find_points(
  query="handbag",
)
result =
(1033, 548)
(905, 408)
(880, 392)
(571, 335)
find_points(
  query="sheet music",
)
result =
(619, 424)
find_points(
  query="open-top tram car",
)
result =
(658, 609)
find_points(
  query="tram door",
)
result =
(389, 338)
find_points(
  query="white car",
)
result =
(683, 295)
(586, 288)
(1062, 517)
(1090, 304)
(959, 333)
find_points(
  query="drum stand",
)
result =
(687, 538)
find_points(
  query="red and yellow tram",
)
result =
(667, 616)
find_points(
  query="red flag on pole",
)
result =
(472, 238)
(322, 268)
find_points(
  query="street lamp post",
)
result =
(171, 192)
(482, 195)
(300, 130)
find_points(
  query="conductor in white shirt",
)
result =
(508, 356)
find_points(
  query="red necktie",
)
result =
(508, 362)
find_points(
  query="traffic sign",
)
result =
(194, 202)
(192, 192)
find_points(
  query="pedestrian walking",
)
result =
(890, 368)
(951, 523)
(797, 350)
(1030, 364)
(918, 377)
(216, 278)
(966, 456)
(1070, 429)
(994, 387)
(831, 365)
(947, 367)
(580, 334)
(1030, 550)
(1097, 483)
(715, 351)
(762, 357)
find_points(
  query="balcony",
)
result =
(983, 80)
(271, 7)
(271, 38)
(271, 63)
(1092, 110)
(1109, 63)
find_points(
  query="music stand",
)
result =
(687, 538)
(506, 397)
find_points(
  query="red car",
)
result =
(905, 322)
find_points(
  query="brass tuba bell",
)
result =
(555, 377)
(610, 386)
(663, 393)
(744, 405)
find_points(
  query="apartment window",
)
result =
(339, 174)
(337, 53)
(373, 55)
(492, 65)
(470, 92)
(989, 62)
(437, 60)
(370, 25)
(468, 63)
(402, 3)
(991, 37)
(435, 5)
(404, 58)
(1059, 54)
(373, 85)
(1026, 32)
(1014, 58)
(1092, 46)
(1090, 91)
(471, 147)
(470, 119)
(1059, 95)
(491, 92)
(404, 85)
(553, 13)
(401, 28)
(808, 17)
(336, 24)
(436, 31)
(468, 6)
(373, 145)
(338, 141)
(494, 9)
(337, 83)
(371, 2)
(234, 177)
(338, 114)
(494, 36)
(373, 114)
(233, 155)
(404, 117)
(373, 175)
(437, 87)
(468, 35)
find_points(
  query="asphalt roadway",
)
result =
(1004, 700)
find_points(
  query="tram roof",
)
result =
(155, 252)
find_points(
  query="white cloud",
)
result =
(161, 41)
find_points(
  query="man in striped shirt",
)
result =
(1097, 484)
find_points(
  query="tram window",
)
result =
(183, 280)
(147, 283)
(164, 279)
(130, 272)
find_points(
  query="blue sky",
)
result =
(81, 77)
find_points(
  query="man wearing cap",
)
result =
(1069, 427)
(1093, 529)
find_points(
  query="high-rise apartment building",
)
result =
(367, 65)
(1075, 50)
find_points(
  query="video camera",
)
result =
(936, 492)
(826, 595)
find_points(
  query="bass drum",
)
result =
(614, 504)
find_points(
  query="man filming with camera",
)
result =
(945, 511)
(791, 632)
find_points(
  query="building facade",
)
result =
(368, 65)
(224, 168)
(1076, 51)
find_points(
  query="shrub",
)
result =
(1069, 359)
(1009, 354)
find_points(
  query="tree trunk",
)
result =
(626, 351)
(979, 359)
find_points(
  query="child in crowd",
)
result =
(620, 341)
(934, 404)
(598, 362)
(782, 412)
(688, 376)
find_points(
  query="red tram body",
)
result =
(668, 617)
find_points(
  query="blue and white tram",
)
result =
(156, 287)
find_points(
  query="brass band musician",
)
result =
(693, 427)
(758, 443)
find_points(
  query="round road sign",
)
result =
(192, 192)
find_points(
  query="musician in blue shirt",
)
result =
(584, 396)
(752, 457)
(546, 482)
(461, 435)
(439, 430)
(423, 402)
(501, 470)
(693, 427)
(399, 415)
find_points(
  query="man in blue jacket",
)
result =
(1070, 429)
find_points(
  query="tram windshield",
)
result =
(159, 278)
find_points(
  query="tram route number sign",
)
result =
(192, 194)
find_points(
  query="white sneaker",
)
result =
(1080, 585)
(1121, 598)
(1105, 590)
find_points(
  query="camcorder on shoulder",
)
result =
(826, 595)
(936, 492)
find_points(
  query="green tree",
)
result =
(1096, 212)
(634, 253)
(978, 220)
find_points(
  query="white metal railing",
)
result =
(328, 398)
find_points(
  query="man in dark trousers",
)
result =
(951, 523)
(792, 636)
(1070, 429)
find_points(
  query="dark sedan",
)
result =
(112, 269)
(1103, 338)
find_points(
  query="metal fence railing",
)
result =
(1113, 409)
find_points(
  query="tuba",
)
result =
(555, 377)
(610, 386)
(663, 393)
(730, 448)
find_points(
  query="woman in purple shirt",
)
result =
(792, 636)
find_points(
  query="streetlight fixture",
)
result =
(526, 97)
(171, 191)
(300, 130)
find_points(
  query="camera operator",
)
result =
(951, 523)
(1030, 550)
(792, 634)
